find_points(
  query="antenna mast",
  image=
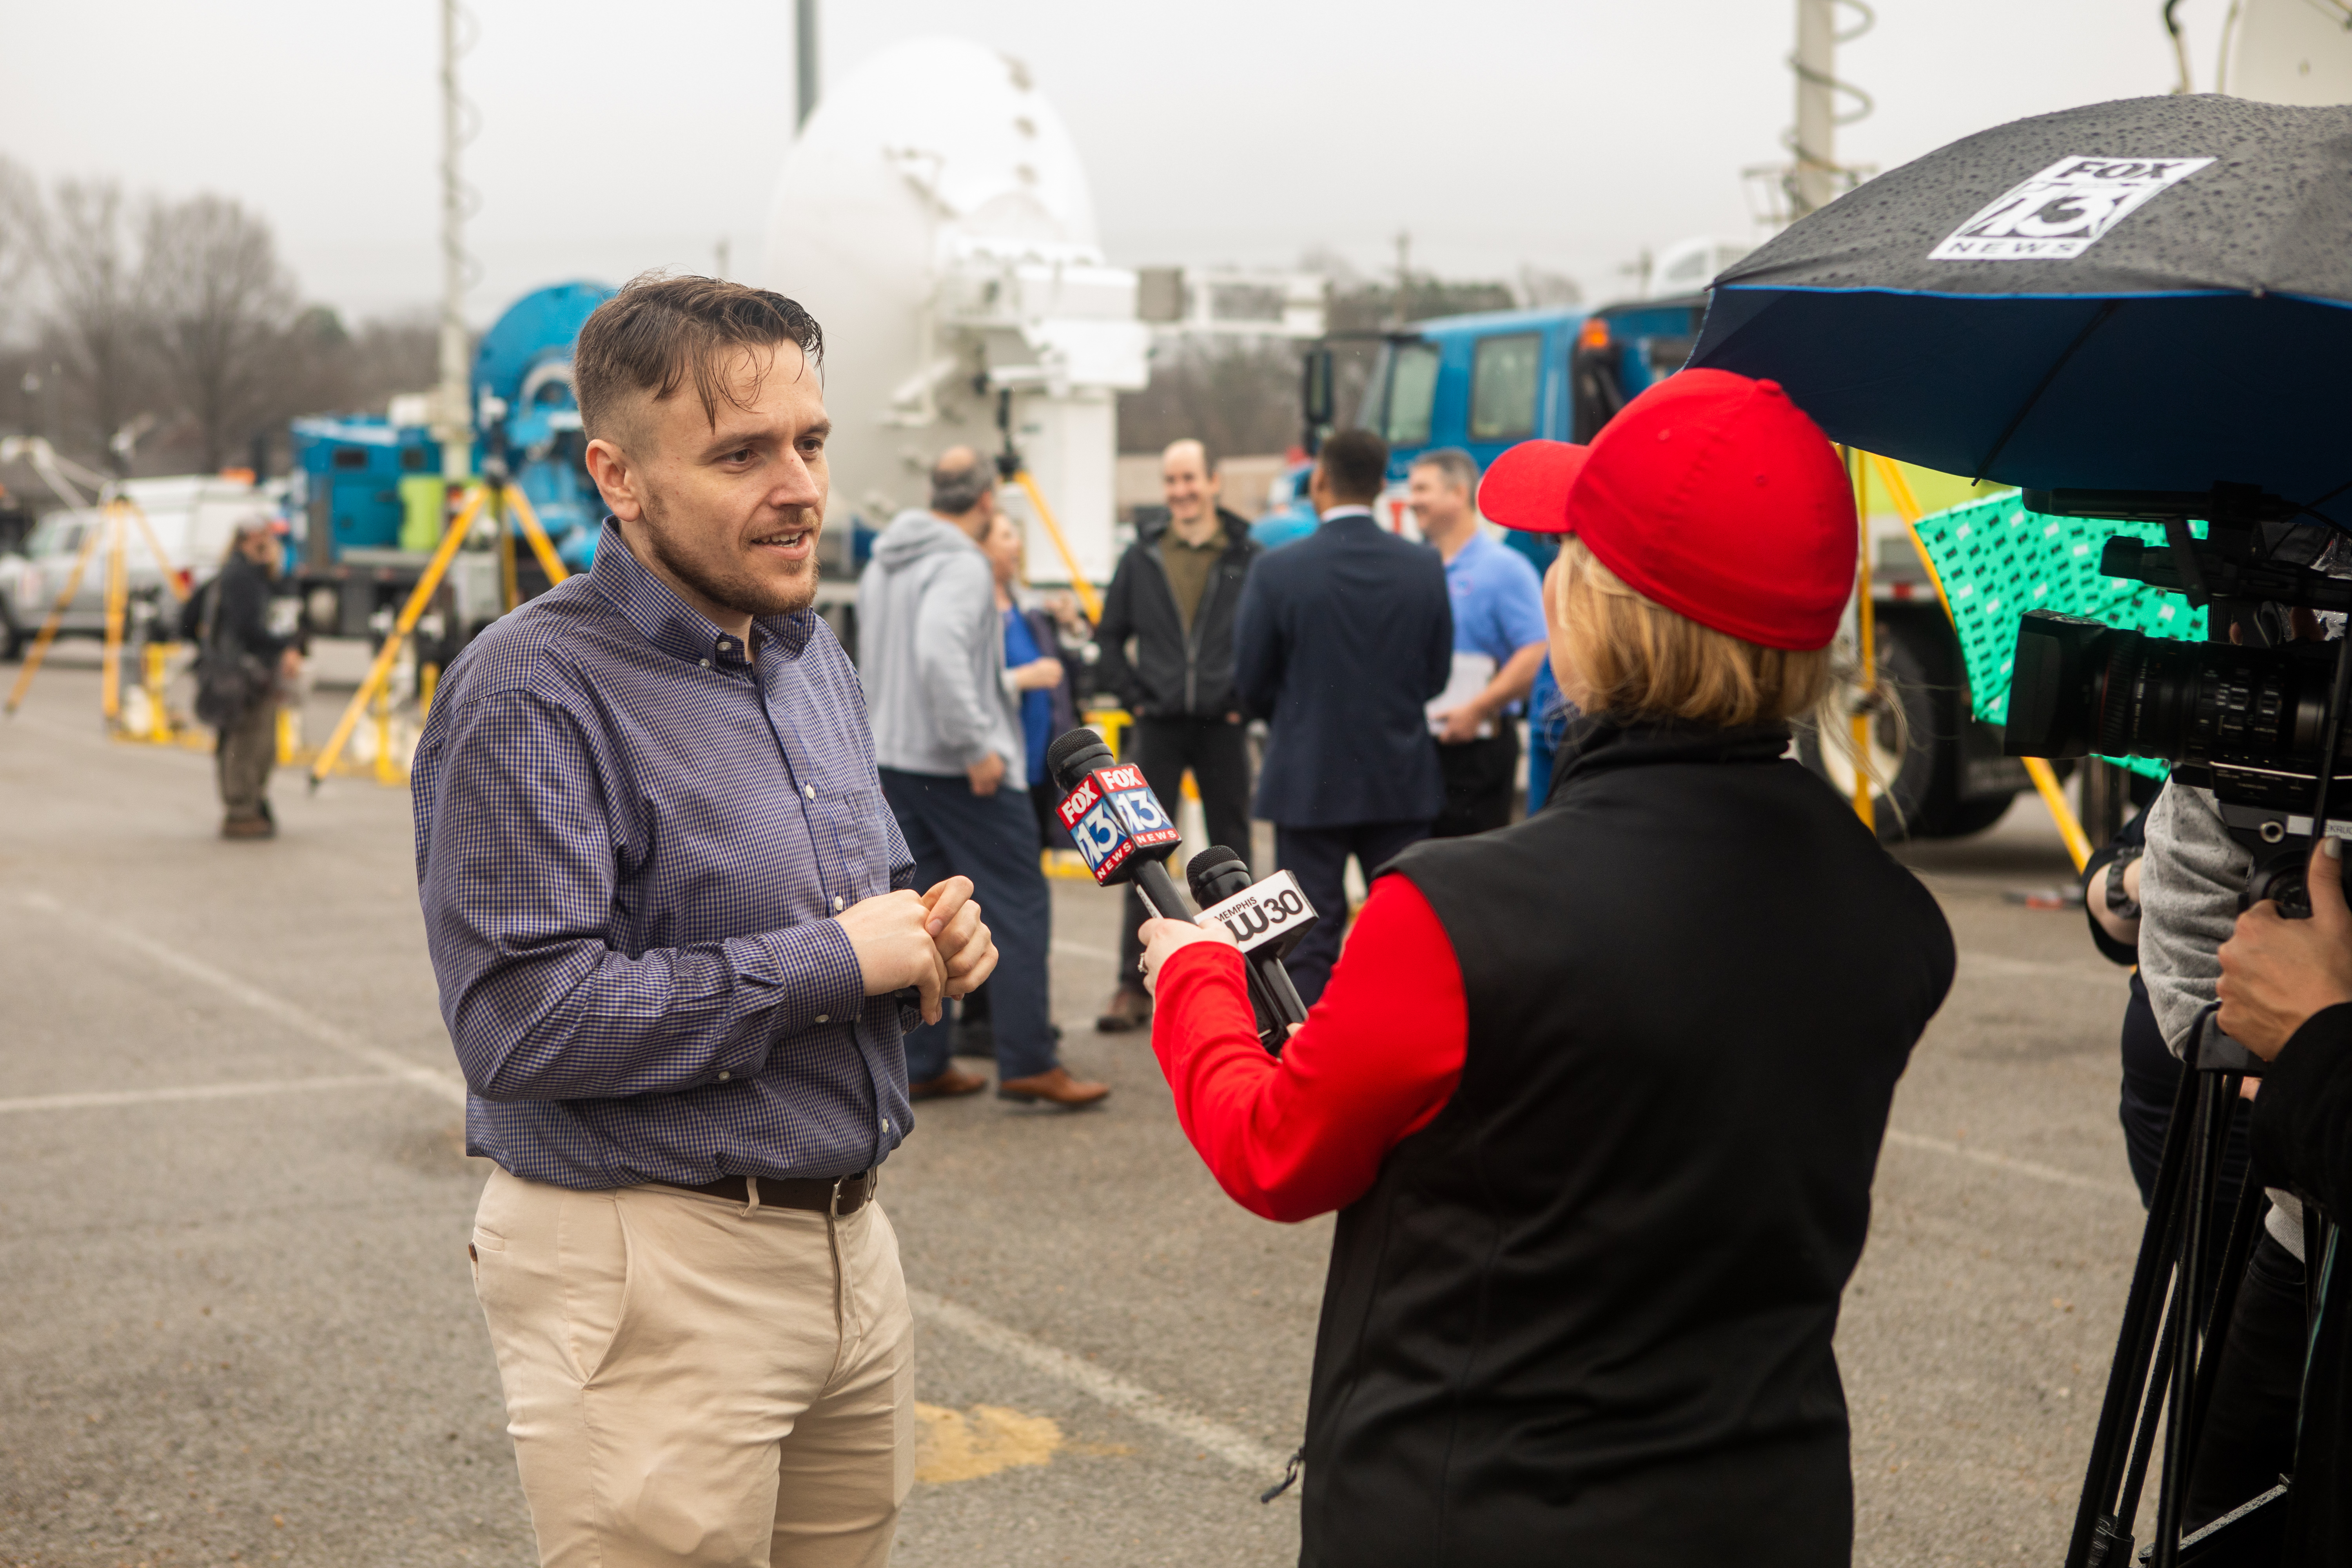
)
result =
(452, 425)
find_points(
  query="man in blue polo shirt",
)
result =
(1498, 646)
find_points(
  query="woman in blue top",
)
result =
(1044, 689)
(1033, 676)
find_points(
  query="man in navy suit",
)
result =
(1343, 636)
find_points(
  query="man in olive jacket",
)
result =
(1174, 596)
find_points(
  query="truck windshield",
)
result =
(1410, 371)
(1503, 380)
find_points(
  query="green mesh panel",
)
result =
(1996, 561)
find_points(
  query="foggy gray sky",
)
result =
(1566, 134)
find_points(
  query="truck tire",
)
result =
(1919, 793)
(1903, 805)
(12, 641)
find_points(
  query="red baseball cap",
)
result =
(1711, 493)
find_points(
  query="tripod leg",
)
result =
(2245, 1227)
(48, 632)
(2121, 1412)
(2172, 1492)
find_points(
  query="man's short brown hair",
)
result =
(1460, 469)
(659, 331)
(1355, 466)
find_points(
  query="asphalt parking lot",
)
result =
(234, 1208)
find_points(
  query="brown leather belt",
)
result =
(841, 1195)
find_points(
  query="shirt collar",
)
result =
(1336, 512)
(668, 621)
(1472, 548)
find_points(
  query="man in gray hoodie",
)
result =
(948, 744)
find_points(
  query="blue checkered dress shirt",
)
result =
(632, 835)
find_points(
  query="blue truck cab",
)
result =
(1485, 381)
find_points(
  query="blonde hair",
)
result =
(1640, 660)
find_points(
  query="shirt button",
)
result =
(825, 1017)
(706, 664)
(809, 790)
(886, 1124)
(836, 906)
(723, 1076)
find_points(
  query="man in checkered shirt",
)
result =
(678, 946)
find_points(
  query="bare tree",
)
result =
(20, 240)
(217, 305)
(93, 328)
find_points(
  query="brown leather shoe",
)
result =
(1053, 1087)
(949, 1085)
(1129, 1009)
(248, 827)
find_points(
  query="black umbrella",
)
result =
(2149, 294)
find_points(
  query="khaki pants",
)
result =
(690, 1381)
(244, 755)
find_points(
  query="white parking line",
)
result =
(302, 1021)
(2033, 1168)
(1237, 1449)
(188, 1091)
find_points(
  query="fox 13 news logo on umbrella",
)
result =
(2061, 212)
(1112, 815)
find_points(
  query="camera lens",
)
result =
(2079, 688)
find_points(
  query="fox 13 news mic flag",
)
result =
(1118, 824)
(1266, 919)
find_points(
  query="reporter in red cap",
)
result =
(1598, 1097)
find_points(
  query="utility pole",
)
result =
(805, 58)
(453, 423)
(1815, 176)
(1813, 180)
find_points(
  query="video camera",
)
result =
(2249, 718)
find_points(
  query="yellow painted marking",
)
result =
(964, 1445)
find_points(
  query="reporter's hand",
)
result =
(892, 937)
(966, 947)
(2277, 972)
(986, 774)
(1164, 936)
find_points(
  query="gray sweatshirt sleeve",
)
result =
(954, 639)
(2188, 887)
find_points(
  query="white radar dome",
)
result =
(932, 156)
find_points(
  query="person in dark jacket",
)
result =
(241, 669)
(1600, 1141)
(1173, 597)
(1343, 637)
(2287, 994)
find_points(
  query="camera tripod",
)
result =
(2169, 1351)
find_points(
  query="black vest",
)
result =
(1583, 1317)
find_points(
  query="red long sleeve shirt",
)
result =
(1380, 1055)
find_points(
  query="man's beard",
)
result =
(729, 584)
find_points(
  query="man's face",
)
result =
(729, 508)
(1437, 502)
(1186, 486)
(260, 547)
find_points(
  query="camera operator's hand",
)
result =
(2277, 972)
(1164, 936)
(892, 937)
(965, 945)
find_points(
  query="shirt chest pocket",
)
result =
(855, 824)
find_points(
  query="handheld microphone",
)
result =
(1266, 919)
(1121, 831)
